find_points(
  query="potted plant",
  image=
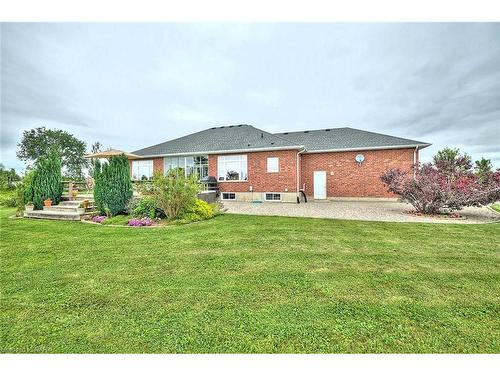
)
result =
(85, 204)
(47, 202)
(29, 206)
(74, 193)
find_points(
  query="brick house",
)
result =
(253, 165)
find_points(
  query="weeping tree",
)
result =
(113, 188)
(46, 180)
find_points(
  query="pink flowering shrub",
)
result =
(446, 183)
(98, 219)
(144, 222)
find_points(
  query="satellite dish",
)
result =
(360, 158)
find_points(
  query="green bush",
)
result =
(174, 194)
(46, 180)
(144, 207)
(200, 210)
(8, 178)
(8, 198)
(113, 188)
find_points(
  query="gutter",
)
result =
(298, 173)
(422, 145)
(415, 153)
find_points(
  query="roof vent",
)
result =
(307, 131)
(231, 126)
(214, 127)
(248, 145)
(272, 143)
(327, 130)
(239, 126)
(285, 133)
(262, 135)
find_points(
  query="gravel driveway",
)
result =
(357, 210)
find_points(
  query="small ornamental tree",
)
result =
(446, 183)
(46, 180)
(113, 188)
(173, 193)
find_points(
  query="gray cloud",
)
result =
(131, 85)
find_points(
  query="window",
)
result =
(273, 196)
(142, 169)
(229, 196)
(232, 168)
(190, 164)
(273, 165)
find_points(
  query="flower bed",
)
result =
(144, 222)
(99, 219)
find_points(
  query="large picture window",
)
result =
(232, 168)
(190, 164)
(142, 169)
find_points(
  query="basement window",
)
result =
(273, 197)
(229, 196)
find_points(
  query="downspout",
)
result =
(298, 174)
(415, 153)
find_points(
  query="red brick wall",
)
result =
(344, 178)
(158, 164)
(258, 178)
(343, 175)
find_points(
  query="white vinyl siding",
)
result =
(142, 169)
(232, 168)
(273, 165)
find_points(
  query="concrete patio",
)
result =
(357, 210)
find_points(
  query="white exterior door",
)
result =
(319, 184)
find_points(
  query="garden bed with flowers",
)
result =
(128, 221)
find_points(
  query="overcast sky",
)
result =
(133, 85)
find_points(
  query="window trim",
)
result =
(273, 200)
(228, 199)
(184, 164)
(278, 164)
(245, 156)
(152, 169)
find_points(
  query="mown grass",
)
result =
(249, 284)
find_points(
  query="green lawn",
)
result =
(249, 284)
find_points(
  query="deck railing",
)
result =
(75, 187)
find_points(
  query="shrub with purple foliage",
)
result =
(446, 183)
(98, 219)
(144, 222)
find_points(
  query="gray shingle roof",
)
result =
(223, 138)
(248, 138)
(346, 138)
